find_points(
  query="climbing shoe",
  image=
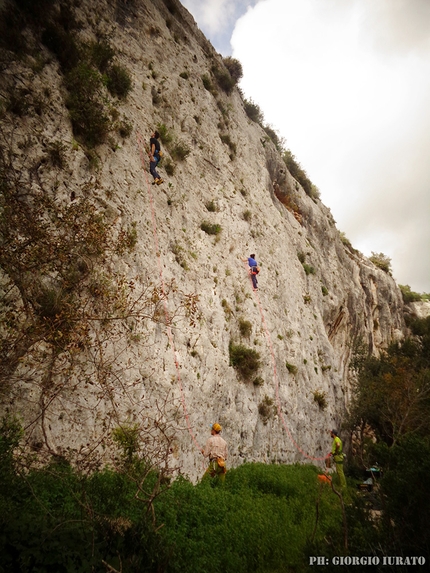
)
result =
(159, 181)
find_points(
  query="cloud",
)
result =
(217, 18)
(348, 84)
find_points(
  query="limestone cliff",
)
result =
(318, 297)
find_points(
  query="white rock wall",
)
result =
(296, 321)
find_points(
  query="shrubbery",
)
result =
(245, 360)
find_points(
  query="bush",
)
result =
(245, 360)
(86, 108)
(298, 172)
(245, 328)
(320, 398)
(119, 81)
(247, 215)
(210, 206)
(63, 45)
(253, 111)
(234, 67)
(226, 139)
(309, 270)
(224, 79)
(408, 295)
(291, 368)
(207, 83)
(165, 135)
(101, 54)
(180, 151)
(210, 228)
(381, 261)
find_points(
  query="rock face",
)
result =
(317, 299)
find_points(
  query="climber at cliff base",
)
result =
(338, 456)
(216, 450)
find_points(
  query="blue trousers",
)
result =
(153, 169)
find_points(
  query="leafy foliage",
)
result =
(86, 107)
(234, 67)
(409, 295)
(381, 261)
(210, 228)
(245, 360)
(118, 81)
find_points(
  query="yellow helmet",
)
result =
(217, 428)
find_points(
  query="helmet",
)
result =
(217, 428)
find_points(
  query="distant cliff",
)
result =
(128, 304)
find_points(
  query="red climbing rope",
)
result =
(275, 377)
(163, 290)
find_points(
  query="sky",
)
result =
(346, 83)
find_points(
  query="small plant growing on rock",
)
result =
(119, 81)
(265, 408)
(320, 399)
(210, 228)
(245, 360)
(245, 328)
(291, 368)
(179, 151)
(381, 261)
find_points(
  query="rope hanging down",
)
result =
(275, 377)
(163, 290)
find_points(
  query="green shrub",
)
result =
(226, 139)
(57, 154)
(85, 104)
(168, 166)
(165, 136)
(291, 368)
(258, 381)
(101, 54)
(223, 78)
(211, 206)
(63, 45)
(301, 256)
(125, 129)
(320, 398)
(265, 408)
(179, 151)
(184, 75)
(234, 67)
(253, 111)
(210, 228)
(408, 295)
(247, 215)
(245, 360)
(381, 261)
(309, 270)
(324, 290)
(298, 172)
(207, 83)
(245, 328)
(119, 81)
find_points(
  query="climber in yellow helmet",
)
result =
(217, 452)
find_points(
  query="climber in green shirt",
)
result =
(338, 456)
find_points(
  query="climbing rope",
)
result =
(275, 377)
(163, 290)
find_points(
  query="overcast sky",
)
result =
(347, 84)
